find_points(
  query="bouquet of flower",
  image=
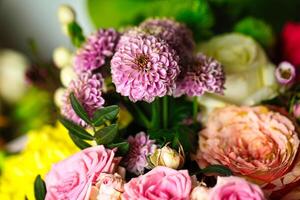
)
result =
(157, 116)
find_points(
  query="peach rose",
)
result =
(254, 142)
(108, 187)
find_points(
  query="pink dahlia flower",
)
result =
(254, 142)
(98, 47)
(205, 75)
(176, 34)
(140, 147)
(73, 177)
(87, 89)
(144, 67)
(160, 183)
(229, 188)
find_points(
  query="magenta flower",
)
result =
(97, 48)
(140, 147)
(176, 34)
(296, 110)
(87, 89)
(285, 73)
(144, 67)
(205, 75)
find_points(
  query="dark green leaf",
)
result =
(76, 130)
(107, 134)
(123, 147)
(78, 108)
(161, 136)
(104, 114)
(220, 169)
(39, 188)
(76, 34)
(79, 142)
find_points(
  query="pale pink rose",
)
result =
(108, 187)
(161, 183)
(200, 192)
(229, 188)
(73, 177)
(254, 142)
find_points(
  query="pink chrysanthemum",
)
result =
(176, 34)
(97, 48)
(144, 67)
(87, 89)
(206, 75)
(140, 147)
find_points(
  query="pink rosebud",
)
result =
(296, 110)
(108, 187)
(73, 177)
(285, 73)
(160, 183)
(228, 188)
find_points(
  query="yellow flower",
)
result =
(44, 148)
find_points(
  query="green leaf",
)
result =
(220, 169)
(123, 147)
(76, 130)
(79, 142)
(78, 108)
(39, 188)
(104, 114)
(107, 134)
(76, 34)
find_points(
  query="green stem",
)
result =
(165, 112)
(155, 114)
(142, 116)
(195, 109)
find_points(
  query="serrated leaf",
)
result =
(76, 130)
(79, 142)
(123, 147)
(107, 134)
(39, 188)
(78, 108)
(220, 169)
(104, 114)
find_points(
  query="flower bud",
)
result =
(58, 96)
(62, 57)
(296, 110)
(66, 14)
(67, 74)
(285, 73)
(167, 157)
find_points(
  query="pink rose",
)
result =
(228, 188)
(73, 177)
(255, 142)
(108, 187)
(161, 183)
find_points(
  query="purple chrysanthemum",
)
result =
(97, 48)
(87, 89)
(144, 67)
(140, 148)
(206, 75)
(176, 34)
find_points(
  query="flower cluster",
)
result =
(144, 67)
(206, 75)
(94, 52)
(152, 58)
(87, 89)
